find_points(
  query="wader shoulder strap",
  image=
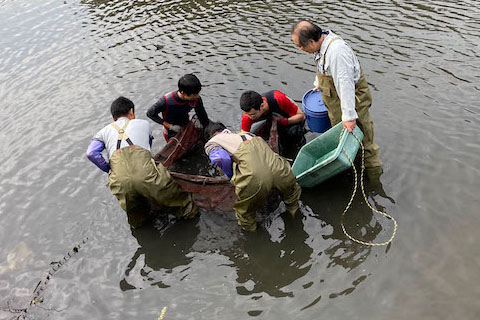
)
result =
(325, 54)
(248, 134)
(122, 134)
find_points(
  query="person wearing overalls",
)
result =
(134, 178)
(253, 169)
(342, 83)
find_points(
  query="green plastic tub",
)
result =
(323, 158)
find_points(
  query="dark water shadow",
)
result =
(269, 266)
(164, 246)
(277, 254)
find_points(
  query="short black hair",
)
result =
(189, 84)
(212, 128)
(121, 106)
(305, 31)
(250, 99)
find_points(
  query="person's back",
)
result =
(138, 130)
(255, 170)
(134, 178)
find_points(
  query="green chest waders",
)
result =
(363, 101)
(135, 180)
(256, 169)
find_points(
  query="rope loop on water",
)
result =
(364, 196)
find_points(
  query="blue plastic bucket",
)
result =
(315, 111)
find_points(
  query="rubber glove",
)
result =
(282, 121)
(221, 159)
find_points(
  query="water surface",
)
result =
(63, 62)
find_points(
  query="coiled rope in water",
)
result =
(365, 197)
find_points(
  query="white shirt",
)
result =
(138, 131)
(343, 66)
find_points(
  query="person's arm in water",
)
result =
(201, 113)
(221, 159)
(94, 154)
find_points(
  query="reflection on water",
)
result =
(160, 252)
(267, 261)
(266, 266)
(62, 63)
(329, 201)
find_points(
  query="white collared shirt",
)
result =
(343, 66)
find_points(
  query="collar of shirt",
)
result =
(121, 119)
(120, 122)
(179, 100)
(319, 54)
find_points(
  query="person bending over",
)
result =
(276, 104)
(134, 178)
(254, 169)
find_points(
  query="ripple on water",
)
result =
(62, 63)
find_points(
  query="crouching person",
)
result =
(134, 178)
(254, 169)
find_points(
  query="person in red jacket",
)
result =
(274, 103)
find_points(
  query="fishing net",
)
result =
(184, 157)
(179, 145)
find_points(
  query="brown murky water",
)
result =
(63, 62)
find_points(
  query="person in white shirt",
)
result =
(341, 81)
(134, 178)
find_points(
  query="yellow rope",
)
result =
(162, 315)
(365, 197)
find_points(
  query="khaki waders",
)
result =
(363, 101)
(256, 169)
(135, 179)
